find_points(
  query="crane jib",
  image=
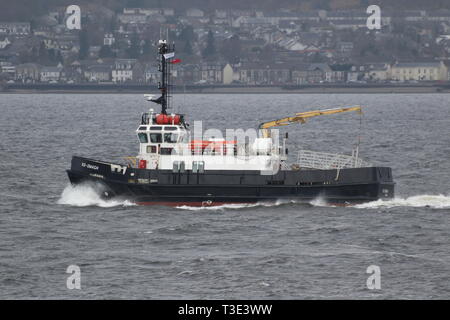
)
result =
(303, 116)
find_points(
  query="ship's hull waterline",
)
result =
(215, 188)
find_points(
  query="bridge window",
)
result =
(156, 137)
(151, 149)
(170, 137)
(143, 138)
(166, 151)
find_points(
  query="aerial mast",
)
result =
(166, 52)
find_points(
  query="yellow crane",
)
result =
(302, 117)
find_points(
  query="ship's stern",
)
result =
(386, 184)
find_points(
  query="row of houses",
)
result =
(257, 74)
(131, 70)
(15, 28)
(117, 70)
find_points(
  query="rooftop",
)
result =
(417, 64)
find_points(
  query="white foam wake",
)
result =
(320, 202)
(431, 201)
(88, 195)
(221, 207)
(242, 205)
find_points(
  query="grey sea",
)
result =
(265, 251)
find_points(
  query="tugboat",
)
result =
(174, 168)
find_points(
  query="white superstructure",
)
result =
(169, 146)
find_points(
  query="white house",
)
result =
(8, 68)
(419, 71)
(109, 39)
(50, 74)
(123, 70)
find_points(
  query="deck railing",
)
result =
(325, 161)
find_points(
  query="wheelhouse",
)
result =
(157, 139)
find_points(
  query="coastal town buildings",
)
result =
(419, 71)
(123, 70)
(28, 72)
(50, 74)
(229, 47)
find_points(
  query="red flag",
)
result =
(175, 61)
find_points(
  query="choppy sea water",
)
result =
(282, 250)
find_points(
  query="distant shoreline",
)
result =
(223, 89)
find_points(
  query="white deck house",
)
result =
(170, 147)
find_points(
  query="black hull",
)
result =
(164, 187)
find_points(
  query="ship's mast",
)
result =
(166, 52)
